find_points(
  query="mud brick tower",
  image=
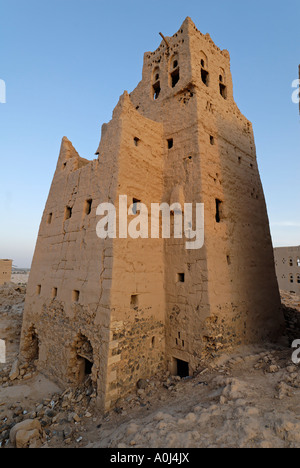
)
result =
(123, 309)
(5, 271)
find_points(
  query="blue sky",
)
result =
(66, 62)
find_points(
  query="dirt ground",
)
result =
(248, 398)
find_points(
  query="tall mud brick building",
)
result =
(123, 309)
(5, 271)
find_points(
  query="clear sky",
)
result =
(66, 62)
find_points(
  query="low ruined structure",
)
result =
(122, 309)
(5, 271)
(287, 263)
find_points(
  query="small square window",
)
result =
(88, 207)
(38, 290)
(181, 277)
(136, 141)
(134, 301)
(49, 218)
(170, 143)
(54, 292)
(135, 203)
(75, 296)
(212, 140)
(68, 212)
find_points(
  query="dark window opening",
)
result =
(88, 366)
(135, 203)
(175, 64)
(181, 278)
(136, 141)
(212, 140)
(84, 354)
(54, 292)
(221, 78)
(38, 290)
(134, 301)
(218, 210)
(88, 207)
(49, 218)
(153, 342)
(182, 368)
(68, 212)
(34, 347)
(75, 296)
(183, 343)
(228, 260)
(291, 278)
(175, 76)
(202, 63)
(157, 77)
(156, 90)
(223, 91)
(240, 160)
(64, 165)
(170, 143)
(204, 76)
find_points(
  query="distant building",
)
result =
(5, 271)
(287, 262)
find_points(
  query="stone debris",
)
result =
(27, 434)
(245, 399)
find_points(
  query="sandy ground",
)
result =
(248, 398)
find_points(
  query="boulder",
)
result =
(29, 425)
(15, 372)
(25, 439)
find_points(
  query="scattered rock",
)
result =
(15, 372)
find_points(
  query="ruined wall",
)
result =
(287, 263)
(66, 298)
(5, 271)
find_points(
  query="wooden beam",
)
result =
(161, 34)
